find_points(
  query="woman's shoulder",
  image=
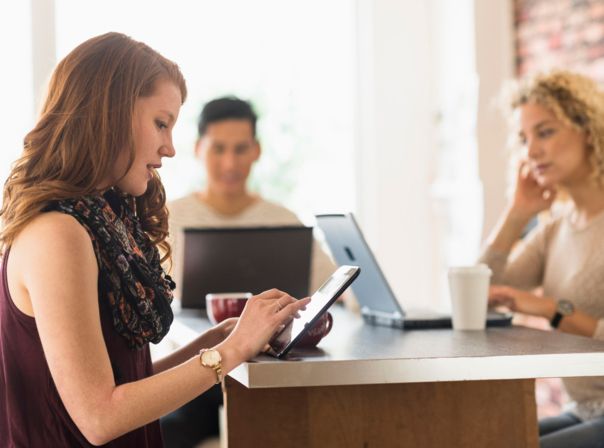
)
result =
(54, 221)
(51, 246)
(53, 230)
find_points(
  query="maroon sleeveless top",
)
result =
(31, 411)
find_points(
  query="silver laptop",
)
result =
(245, 259)
(378, 303)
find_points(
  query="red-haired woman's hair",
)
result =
(84, 125)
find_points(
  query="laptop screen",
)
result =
(245, 259)
(348, 246)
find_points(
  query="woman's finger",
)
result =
(523, 170)
(292, 308)
(270, 294)
(283, 301)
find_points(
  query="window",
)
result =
(17, 111)
(293, 60)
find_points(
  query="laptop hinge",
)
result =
(382, 318)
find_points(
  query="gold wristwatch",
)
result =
(211, 358)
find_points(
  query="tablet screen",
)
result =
(321, 300)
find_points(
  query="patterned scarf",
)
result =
(132, 283)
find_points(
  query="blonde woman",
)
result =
(82, 290)
(560, 126)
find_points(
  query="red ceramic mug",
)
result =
(222, 305)
(318, 331)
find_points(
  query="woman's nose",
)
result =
(533, 150)
(167, 149)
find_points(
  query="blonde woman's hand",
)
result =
(263, 315)
(521, 301)
(530, 198)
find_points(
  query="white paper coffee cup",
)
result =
(469, 288)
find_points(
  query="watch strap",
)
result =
(556, 319)
(563, 308)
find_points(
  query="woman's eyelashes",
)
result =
(161, 124)
(545, 133)
(541, 133)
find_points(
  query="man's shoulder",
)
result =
(182, 202)
(273, 209)
(186, 208)
(268, 204)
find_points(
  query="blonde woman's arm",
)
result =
(525, 268)
(528, 200)
(579, 322)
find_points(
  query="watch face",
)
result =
(211, 357)
(565, 307)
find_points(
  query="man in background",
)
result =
(228, 147)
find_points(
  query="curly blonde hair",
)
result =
(576, 100)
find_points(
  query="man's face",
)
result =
(228, 149)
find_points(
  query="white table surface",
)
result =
(357, 353)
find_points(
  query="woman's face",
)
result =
(153, 120)
(556, 152)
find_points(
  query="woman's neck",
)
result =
(588, 200)
(227, 205)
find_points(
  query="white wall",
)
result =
(495, 64)
(43, 46)
(16, 98)
(395, 141)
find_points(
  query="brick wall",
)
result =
(560, 34)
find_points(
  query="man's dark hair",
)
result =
(226, 108)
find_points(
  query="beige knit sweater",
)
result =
(568, 263)
(189, 211)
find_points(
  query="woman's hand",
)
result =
(263, 315)
(530, 198)
(521, 301)
(222, 330)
